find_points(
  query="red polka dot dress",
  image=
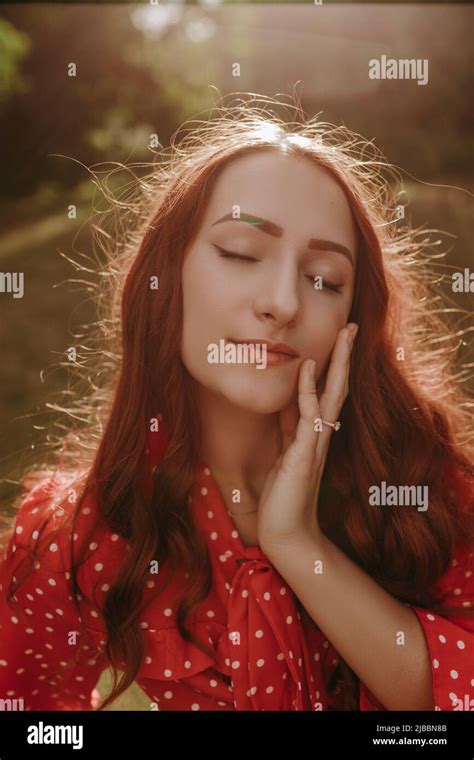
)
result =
(267, 655)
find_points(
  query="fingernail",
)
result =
(312, 368)
(353, 328)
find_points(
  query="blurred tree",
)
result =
(14, 46)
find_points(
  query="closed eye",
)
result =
(326, 284)
(230, 255)
(240, 257)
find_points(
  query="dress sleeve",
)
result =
(450, 639)
(46, 658)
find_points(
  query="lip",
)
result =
(274, 348)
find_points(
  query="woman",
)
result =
(278, 514)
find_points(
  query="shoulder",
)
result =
(51, 524)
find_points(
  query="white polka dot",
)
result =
(289, 619)
(283, 590)
(207, 471)
(35, 534)
(187, 664)
(453, 697)
(51, 582)
(267, 596)
(442, 638)
(236, 664)
(168, 673)
(53, 548)
(234, 534)
(430, 616)
(260, 663)
(148, 660)
(60, 612)
(98, 566)
(14, 620)
(168, 611)
(210, 515)
(280, 656)
(204, 491)
(245, 593)
(114, 537)
(168, 694)
(213, 535)
(195, 706)
(457, 591)
(435, 663)
(19, 529)
(86, 510)
(461, 644)
(454, 674)
(269, 689)
(105, 587)
(259, 634)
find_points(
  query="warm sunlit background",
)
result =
(144, 69)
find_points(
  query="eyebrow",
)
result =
(270, 228)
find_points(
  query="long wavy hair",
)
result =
(406, 419)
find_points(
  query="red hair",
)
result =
(405, 421)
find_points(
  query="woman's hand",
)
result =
(288, 503)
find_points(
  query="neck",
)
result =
(240, 447)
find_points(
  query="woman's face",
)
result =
(308, 232)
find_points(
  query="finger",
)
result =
(333, 396)
(337, 383)
(300, 455)
(288, 422)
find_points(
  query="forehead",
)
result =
(288, 190)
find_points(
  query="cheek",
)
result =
(205, 310)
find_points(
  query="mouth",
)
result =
(278, 349)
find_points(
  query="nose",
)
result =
(278, 299)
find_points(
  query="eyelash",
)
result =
(239, 257)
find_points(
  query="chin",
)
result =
(256, 400)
